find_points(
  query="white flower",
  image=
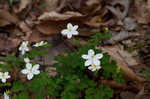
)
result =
(30, 70)
(91, 58)
(94, 67)
(39, 44)
(4, 76)
(24, 47)
(26, 60)
(6, 96)
(71, 30)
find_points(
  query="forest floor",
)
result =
(127, 20)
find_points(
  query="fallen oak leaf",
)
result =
(8, 44)
(129, 74)
(55, 16)
(51, 27)
(6, 18)
(23, 4)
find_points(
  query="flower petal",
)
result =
(69, 25)
(69, 35)
(64, 32)
(25, 71)
(88, 62)
(36, 72)
(3, 80)
(91, 68)
(75, 28)
(75, 32)
(22, 52)
(96, 62)
(30, 76)
(85, 57)
(6, 96)
(91, 52)
(98, 67)
(27, 49)
(98, 56)
(35, 67)
(28, 65)
(26, 60)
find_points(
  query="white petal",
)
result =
(98, 67)
(22, 52)
(27, 49)
(75, 28)
(20, 48)
(36, 45)
(64, 32)
(6, 96)
(26, 60)
(41, 43)
(3, 80)
(69, 25)
(94, 69)
(29, 76)
(36, 72)
(85, 57)
(88, 62)
(69, 35)
(8, 76)
(26, 43)
(98, 56)
(25, 71)
(28, 65)
(91, 68)
(96, 62)
(91, 52)
(35, 67)
(75, 32)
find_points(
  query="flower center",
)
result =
(94, 66)
(70, 29)
(23, 46)
(30, 69)
(38, 44)
(92, 56)
(3, 75)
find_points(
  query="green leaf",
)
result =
(18, 86)
(22, 95)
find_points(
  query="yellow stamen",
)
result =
(94, 66)
(3, 75)
(70, 29)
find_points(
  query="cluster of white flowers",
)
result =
(24, 46)
(92, 60)
(30, 69)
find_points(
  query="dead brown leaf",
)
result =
(123, 60)
(23, 4)
(55, 16)
(8, 44)
(50, 28)
(92, 2)
(6, 18)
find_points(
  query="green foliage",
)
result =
(95, 38)
(101, 92)
(73, 79)
(18, 86)
(147, 74)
